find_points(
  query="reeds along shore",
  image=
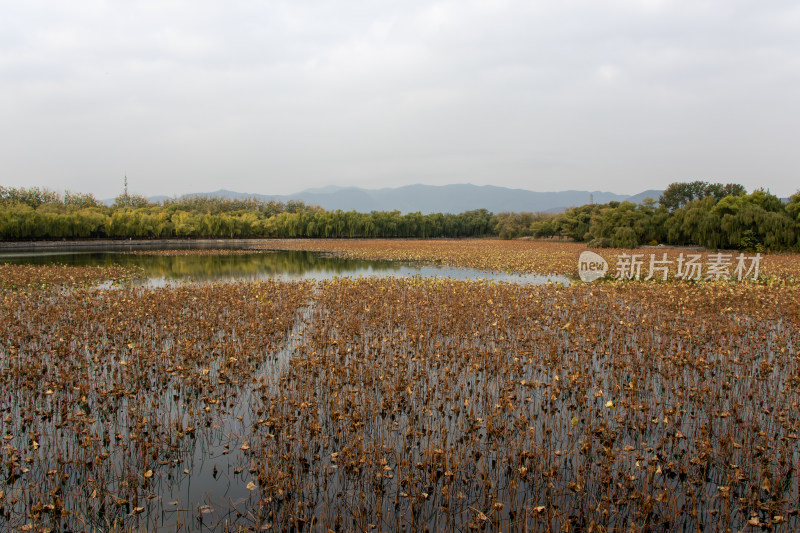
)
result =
(403, 404)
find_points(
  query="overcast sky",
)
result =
(274, 97)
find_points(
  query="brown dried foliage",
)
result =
(43, 276)
(113, 394)
(411, 403)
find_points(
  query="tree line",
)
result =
(35, 214)
(712, 215)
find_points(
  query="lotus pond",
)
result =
(386, 403)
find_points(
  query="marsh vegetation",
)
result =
(393, 403)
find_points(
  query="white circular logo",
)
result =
(591, 266)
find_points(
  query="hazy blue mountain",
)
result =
(639, 198)
(346, 199)
(326, 189)
(441, 198)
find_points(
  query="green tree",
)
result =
(678, 195)
(793, 207)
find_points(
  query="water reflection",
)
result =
(165, 269)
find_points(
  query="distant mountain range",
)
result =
(438, 198)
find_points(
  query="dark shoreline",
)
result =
(128, 245)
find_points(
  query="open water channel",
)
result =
(159, 270)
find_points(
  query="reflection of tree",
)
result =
(210, 267)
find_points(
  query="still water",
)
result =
(160, 270)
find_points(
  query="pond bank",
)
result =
(126, 245)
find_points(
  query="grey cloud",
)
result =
(278, 96)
